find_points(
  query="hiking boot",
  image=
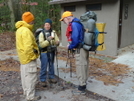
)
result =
(52, 80)
(82, 88)
(44, 84)
(35, 98)
(78, 92)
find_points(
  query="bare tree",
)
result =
(12, 16)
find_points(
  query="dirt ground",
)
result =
(100, 69)
(11, 89)
(7, 41)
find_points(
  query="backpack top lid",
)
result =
(86, 16)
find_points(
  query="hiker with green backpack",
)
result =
(82, 37)
(76, 30)
(48, 41)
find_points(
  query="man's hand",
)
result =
(35, 51)
(49, 38)
(68, 45)
(57, 42)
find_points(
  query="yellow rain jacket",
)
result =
(25, 43)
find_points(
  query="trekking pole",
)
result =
(69, 58)
(72, 52)
(67, 62)
(70, 69)
(57, 64)
(70, 66)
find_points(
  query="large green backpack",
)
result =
(92, 33)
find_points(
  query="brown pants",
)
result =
(82, 65)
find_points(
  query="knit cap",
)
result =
(48, 21)
(28, 17)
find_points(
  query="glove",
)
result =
(49, 38)
(35, 51)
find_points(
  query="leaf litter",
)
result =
(11, 88)
(10, 83)
(7, 41)
(108, 72)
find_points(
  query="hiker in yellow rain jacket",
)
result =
(28, 52)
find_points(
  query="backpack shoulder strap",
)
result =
(43, 31)
(81, 24)
(78, 22)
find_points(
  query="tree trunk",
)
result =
(10, 5)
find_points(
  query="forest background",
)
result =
(11, 11)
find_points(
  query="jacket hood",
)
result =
(21, 23)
